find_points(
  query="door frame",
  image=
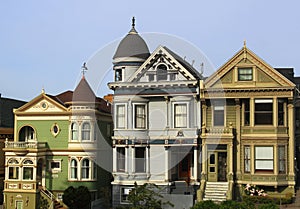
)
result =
(213, 168)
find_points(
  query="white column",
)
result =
(291, 149)
(195, 163)
(132, 159)
(148, 161)
(167, 164)
(114, 159)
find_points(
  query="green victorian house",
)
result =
(59, 141)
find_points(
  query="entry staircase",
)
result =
(215, 191)
(52, 200)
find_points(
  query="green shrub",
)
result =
(229, 204)
(268, 206)
(208, 204)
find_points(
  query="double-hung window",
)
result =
(281, 159)
(263, 114)
(121, 159)
(180, 115)
(245, 74)
(247, 159)
(218, 113)
(140, 159)
(140, 116)
(264, 160)
(120, 116)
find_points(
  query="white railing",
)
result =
(25, 145)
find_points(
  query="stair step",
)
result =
(215, 191)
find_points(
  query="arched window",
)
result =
(27, 170)
(74, 169)
(26, 133)
(162, 73)
(74, 131)
(13, 169)
(85, 131)
(85, 169)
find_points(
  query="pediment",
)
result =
(163, 65)
(262, 74)
(42, 104)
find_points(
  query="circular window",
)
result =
(44, 105)
(55, 129)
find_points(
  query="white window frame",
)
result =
(134, 115)
(187, 113)
(90, 131)
(77, 169)
(54, 170)
(117, 116)
(264, 155)
(71, 131)
(13, 163)
(118, 159)
(124, 192)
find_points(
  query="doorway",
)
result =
(185, 167)
(217, 166)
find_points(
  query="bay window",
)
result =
(140, 159)
(120, 116)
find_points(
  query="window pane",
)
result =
(140, 159)
(264, 158)
(180, 115)
(120, 116)
(140, 116)
(162, 73)
(118, 75)
(121, 159)
(86, 128)
(73, 169)
(245, 74)
(74, 130)
(247, 158)
(263, 112)
(13, 172)
(280, 112)
(281, 156)
(218, 115)
(85, 169)
(27, 173)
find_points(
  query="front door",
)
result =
(217, 166)
(185, 167)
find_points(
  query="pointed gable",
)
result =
(42, 104)
(175, 65)
(246, 70)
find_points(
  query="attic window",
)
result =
(118, 75)
(162, 73)
(245, 74)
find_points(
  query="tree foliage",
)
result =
(147, 196)
(77, 198)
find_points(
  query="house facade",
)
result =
(248, 132)
(59, 141)
(156, 120)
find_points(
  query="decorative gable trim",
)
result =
(153, 57)
(43, 107)
(240, 56)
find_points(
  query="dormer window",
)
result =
(245, 74)
(118, 75)
(162, 72)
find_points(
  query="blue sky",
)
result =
(44, 43)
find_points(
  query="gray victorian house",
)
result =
(156, 113)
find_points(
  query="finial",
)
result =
(43, 90)
(83, 69)
(133, 31)
(244, 43)
(133, 22)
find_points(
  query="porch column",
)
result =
(230, 151)
(238, 136)
(275, 112)
(167, 164)
(148, 161)
(204, 161)
(291, 149)
(195, 163)
(133, 159)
